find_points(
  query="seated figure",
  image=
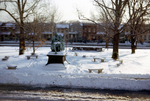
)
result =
(57, 43)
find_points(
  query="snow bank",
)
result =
(80, 81)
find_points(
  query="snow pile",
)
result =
(132, 74)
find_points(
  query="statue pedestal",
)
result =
(56, 58)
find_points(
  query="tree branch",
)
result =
(11, 15)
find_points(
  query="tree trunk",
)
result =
(116, 43)
(133, 46)
(22, 42)
(97, 39)
(133, 49)
(107, 44)
(33, 47)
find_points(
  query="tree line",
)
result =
(115, 15)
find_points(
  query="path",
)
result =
(13, 93)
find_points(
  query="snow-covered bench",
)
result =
(5, 58)
(102, 59)
(96, 48)
(11, 66)
(28, 56)
(99, 70)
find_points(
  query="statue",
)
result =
(57, 43)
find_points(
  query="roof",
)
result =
(89, 24)
(5, 33)
(100, 33)
(46, 32)
(11, 25)
(81, 24)
(8, 25)
(62, 25)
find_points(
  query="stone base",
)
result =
(55, 58)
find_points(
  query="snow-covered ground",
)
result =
(133, 74)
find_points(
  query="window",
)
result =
(66, 30)
(62, 31)
(93, 37)
(144, 37)
(89, 29)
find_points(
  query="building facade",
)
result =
(89, 31)
(71, 32)
(63, 30)
(75, 32)
(141, 37)
(7, 31)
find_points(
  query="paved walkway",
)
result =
(12, 93)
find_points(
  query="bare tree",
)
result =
(114, 12)
(114, 15)
(34, 32)
(19, 10)
(108, 34)
(138, 12)
(47, 13)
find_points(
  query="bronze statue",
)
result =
(57, 43)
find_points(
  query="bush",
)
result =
(115, 55)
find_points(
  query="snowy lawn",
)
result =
(132, 74)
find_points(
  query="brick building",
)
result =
(89, 31)
(75, 32)
(63, 30)
(7, 31)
